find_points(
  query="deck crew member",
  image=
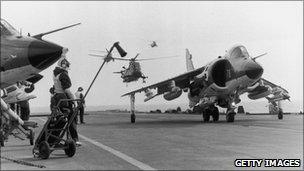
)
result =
(81, 104)
(62, 84)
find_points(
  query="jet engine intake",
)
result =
(221, 71)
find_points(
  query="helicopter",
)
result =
(133, 71)
(153, 44)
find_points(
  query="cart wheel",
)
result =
(44, 150)
(71, 148)
(32, 137)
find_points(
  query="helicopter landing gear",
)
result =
(132, 102)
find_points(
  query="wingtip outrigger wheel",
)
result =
(133, 118)
(280, 114)
(132, 102)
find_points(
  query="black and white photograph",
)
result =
(151, 85)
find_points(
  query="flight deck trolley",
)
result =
(56, 127)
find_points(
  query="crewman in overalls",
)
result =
(62, 84)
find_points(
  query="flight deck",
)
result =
(167, 141)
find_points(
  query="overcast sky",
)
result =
(206, 28)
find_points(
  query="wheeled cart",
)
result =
(56, 127)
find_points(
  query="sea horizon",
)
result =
(250, 106)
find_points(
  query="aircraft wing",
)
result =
(182, 81)
(272, 92)
(272, 85)
(277, 93)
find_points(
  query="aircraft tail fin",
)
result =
(189, 62)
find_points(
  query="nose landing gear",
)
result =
(230, 116)
(211, 111)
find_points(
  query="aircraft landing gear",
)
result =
(211, 111)
(1, 138)
(215, 114)
(133, 118)
(280, 114)
(206, 115)
(132, 101)
(230, 116)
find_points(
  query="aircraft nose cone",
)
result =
(42, 54)
(253, 70)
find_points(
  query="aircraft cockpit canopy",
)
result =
(7, 29)
(238, 52)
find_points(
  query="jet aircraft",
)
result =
(22, 58)
(219, 83)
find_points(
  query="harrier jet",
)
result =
(22, 59)
(219, 83)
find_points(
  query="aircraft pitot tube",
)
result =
(6, 110)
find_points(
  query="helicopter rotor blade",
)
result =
(147, 59)
(103, 56)
(117, 72)
(102, 51)
(95, 55)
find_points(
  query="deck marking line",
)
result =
(119, 154)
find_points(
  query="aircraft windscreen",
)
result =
(7, 29)
(239, 51)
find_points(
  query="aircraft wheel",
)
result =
(44, 150)
(215, 114)
(32, 137)
(206, 115)
(280, 115)
(71, 148)
(1, 139)
(133, 117)
(230, 116)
